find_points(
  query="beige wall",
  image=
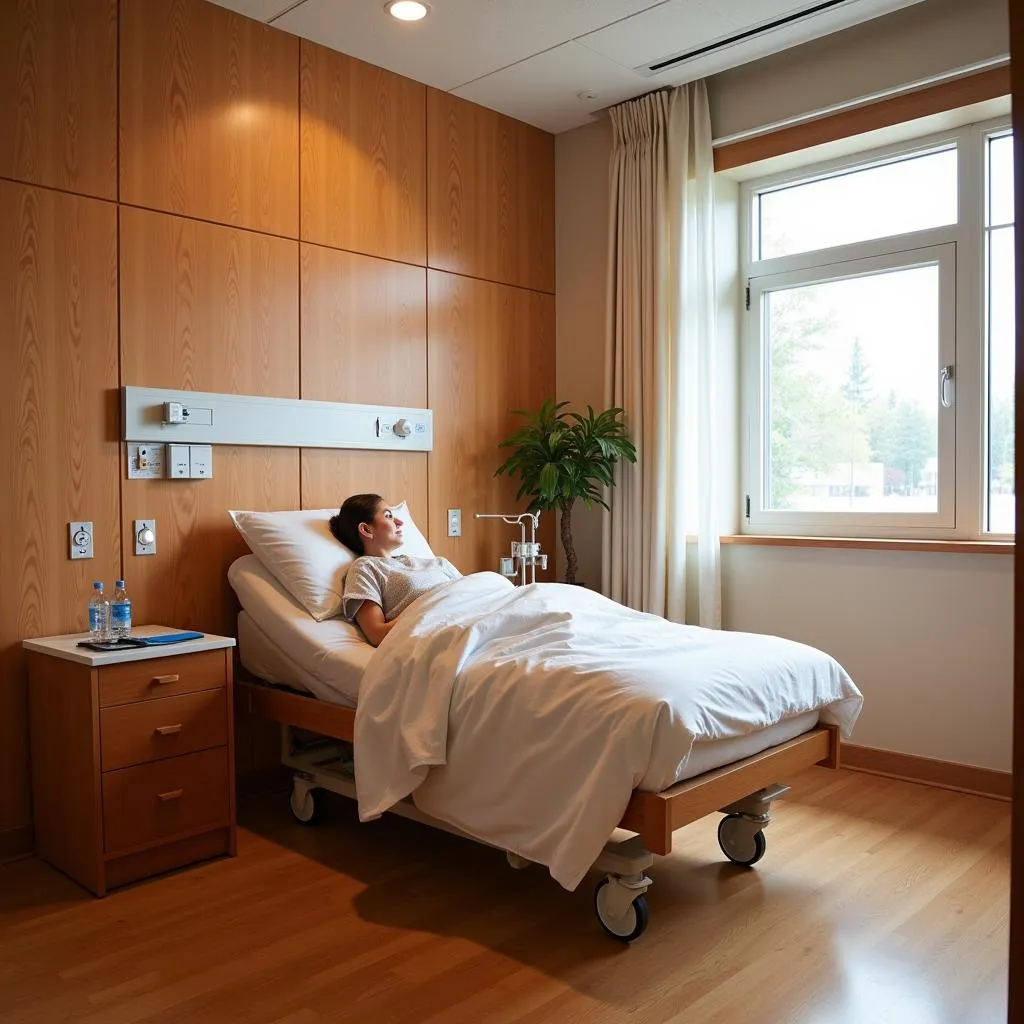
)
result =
(581, 270)
(927, 637)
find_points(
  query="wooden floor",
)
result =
(877, 901)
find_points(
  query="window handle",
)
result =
(946, 386)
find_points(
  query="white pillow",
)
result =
(297, 547)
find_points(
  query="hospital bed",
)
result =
(305, 675)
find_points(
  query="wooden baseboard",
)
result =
(964, 778)
(16, 843)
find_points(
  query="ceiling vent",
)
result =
(749, 35)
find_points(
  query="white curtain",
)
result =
(661, 355)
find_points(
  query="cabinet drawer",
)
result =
(153, 729)
(160, 677)
(164, 798)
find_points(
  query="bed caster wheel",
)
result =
(627, 925)
(516, 862)
(305, 807)
(740, 840)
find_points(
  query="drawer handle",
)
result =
(168, 730)
(171, 795)
(164, 680)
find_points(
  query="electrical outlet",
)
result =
(145, 536)
(80, 540)
(201, 461)
(455, 522)
(178, 461)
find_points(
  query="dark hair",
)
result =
(359, 508)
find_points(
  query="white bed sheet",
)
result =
(327, 658)
(263, 659)
(526, 716)
(278, 642)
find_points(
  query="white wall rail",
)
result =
(197, 417)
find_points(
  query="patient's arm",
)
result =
(371, 621)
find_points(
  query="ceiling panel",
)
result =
(261, 10)
(460, 40)
(531, 59)
(680, 25)
(544, 90)
(669, 28)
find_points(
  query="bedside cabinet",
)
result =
(133, 756)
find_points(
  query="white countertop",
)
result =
(65, 647)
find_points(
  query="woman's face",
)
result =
(385, 529)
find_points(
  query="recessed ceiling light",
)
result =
(407, 10)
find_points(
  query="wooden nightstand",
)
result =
(133, 756)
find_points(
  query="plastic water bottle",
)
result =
(120, 612)
(99, 613)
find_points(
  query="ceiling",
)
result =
(557, 63)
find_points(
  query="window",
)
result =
(879, 345)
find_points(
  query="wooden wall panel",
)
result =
(185, 583)
(492, 350)
(364, 339)
(58, 431)
(58, 94)
(363, 157)
(208, 308)
(490, 194)
(205, 308)
(209, 115)
(364, 329)
(329, 477)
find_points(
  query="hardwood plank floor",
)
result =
(877, 901)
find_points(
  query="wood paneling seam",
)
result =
(57, 188)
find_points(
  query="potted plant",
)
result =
(564, 456)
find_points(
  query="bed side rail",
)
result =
(289, 708)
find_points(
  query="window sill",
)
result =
(972, 547)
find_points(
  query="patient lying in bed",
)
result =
(380, 585)
(527, 716)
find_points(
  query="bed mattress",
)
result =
(281, 643)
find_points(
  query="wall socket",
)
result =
(200, 461)
(144, 531)
(455, 522)
(178, 461)
(80, 540)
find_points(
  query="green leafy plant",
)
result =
(561, 457)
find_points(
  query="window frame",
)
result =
(969, 301)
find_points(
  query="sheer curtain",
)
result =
(661, 355)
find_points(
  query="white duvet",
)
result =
(526, 716)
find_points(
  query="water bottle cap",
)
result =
(119, 583)
(98, 585)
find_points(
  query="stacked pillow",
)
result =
(298, 549)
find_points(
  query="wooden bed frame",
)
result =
(653, 816)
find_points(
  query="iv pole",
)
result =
(524, 552)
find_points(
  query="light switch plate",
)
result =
(142, 548)
(201, 461)
(80, 540)
(455, 522)
(178, 461)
